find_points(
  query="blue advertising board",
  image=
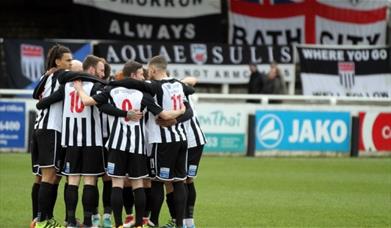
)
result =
(303, 131)
(12, 124)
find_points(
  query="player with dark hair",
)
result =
(82, 138)
(169, 150)
(127, 155)
(46, 148)
(196, 141)
(107, 70)
(168, 92)
(107, 183)
(131, 69)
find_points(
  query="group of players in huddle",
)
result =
(138, 132)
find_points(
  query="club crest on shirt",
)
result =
(164, 172)
(192, 170)
(110, 167)
(67, 167)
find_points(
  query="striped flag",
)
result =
(346, 74)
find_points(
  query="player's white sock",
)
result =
(189, 222)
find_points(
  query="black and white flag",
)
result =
(150, 20)
(356, 72)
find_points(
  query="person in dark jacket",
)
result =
(274, 82)
(255, 84)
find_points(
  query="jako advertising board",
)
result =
(303, 131)
(375, 131)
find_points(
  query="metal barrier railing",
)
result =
(264, 99)
(300, 99)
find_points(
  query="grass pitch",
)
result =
(249, 192)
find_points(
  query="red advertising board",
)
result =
(375, 131)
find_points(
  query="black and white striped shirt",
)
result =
(170, 95)
(126, 135)
(105, 125)
(195, 135)
(81, 124)
(50, 117)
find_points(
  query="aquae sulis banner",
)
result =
(210, 63)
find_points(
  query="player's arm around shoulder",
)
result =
(169, 118)
(57, 96)
(157, 110)
(189, 81)
(85, 99)
(168, 115)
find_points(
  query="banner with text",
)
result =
(155, 20)
(225, 127)
(355, 72)
(282, 22)
(26, 59)
(12, 125)
(210, 63)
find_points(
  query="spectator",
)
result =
(255, 84)
(274, 82)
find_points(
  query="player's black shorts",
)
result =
(86, 161)
(122, 164)
(36, 171)
(46, 150)
(105, 159)
(61, 163)
(105, 152)
(34, 154)
(149, 161)
(168, 161)
(194, 156)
